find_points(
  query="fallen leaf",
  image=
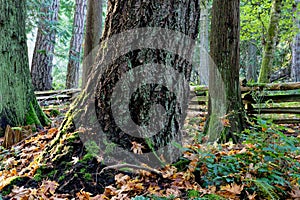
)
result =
(233, 188)
(295, 193)
(137, 148)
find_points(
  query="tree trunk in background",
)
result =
(92, 36)
(118, 56)
(295, 69)
(204, 43)
(76, 45)
(18, 105)
(252, 63)
(42, 60)
(225, 105)
(271, 38)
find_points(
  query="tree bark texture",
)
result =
(200, 72)
(76, 45)
(92, 36)
(124, 21)
(295, 69)
(42, 60)
(204, 44)
(252, 63)
(225, 105)
(271, 39)
(18, 105)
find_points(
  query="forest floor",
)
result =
(266, 165)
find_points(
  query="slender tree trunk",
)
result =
(18, 105)
(271, 38)
(252, 63)
(204, 43)
(92, 36)
(143, 42)
(76, 44)
(295, 69)
(225, 105)
(42, 60)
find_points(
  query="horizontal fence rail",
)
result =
(267, 100)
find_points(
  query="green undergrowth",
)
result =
(266, 165)
(267, 162)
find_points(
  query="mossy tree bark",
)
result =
(93, 32)
(123, 16)
(42, 60)
(270, 43)
(295, 69)
(76, 45)
(225, 105)
(18, 105)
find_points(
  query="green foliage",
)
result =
(64, 34)
(61, 178)
(92, 148)
(38, 175)
(31, 116)
(193, 193)
(87, 176)
(54, 113)
(266, 164)
(86, 158)
(265, 188)
(255, 16)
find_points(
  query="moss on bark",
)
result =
(17, 104)
(271, 38)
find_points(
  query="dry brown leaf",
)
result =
(233, 188)
(137, 148)
(110, 191)
(173, 191)
(153, 189)
(121, 179)
(295, 193)
(82, 195)
(49, 186)
(19, 192)
(251, 196)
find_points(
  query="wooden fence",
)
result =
(280, 102)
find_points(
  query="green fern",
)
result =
(265, 188)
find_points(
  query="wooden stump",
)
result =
(13, 136)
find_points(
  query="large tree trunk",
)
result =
(76, 45)
(225, 105)
(42, 60)
(271, 39)
(295, 69)
(138, 89)
(18, 105)
(92, 36)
